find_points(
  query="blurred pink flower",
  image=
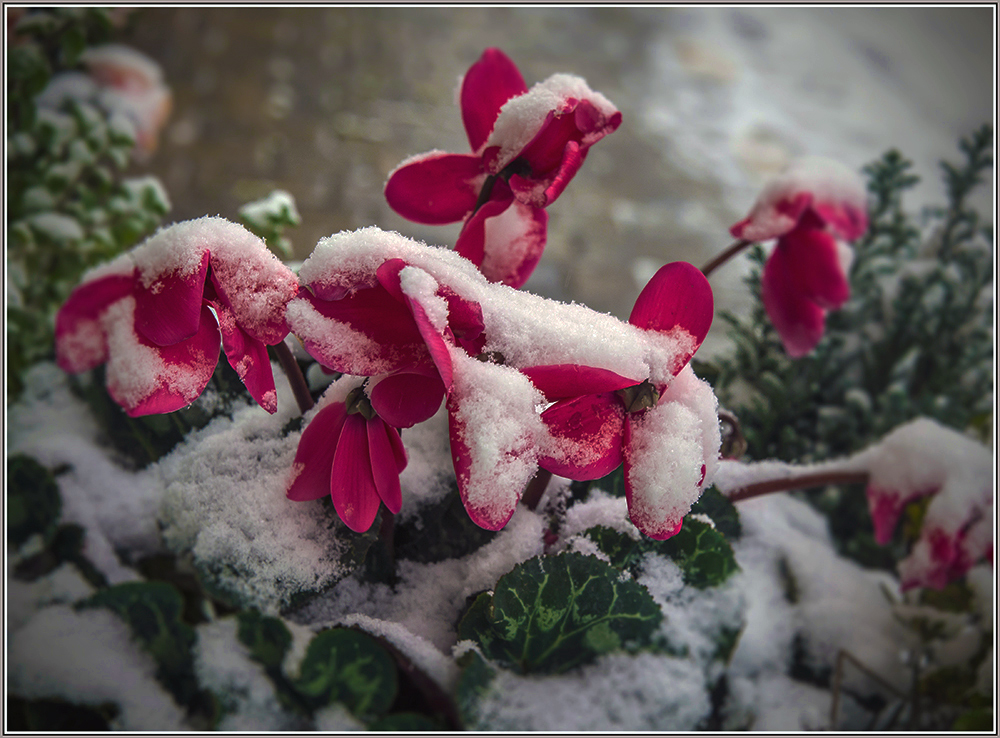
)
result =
(807, 208)
(526, 147)
(600, 420)
(158, 314)
(350, 453)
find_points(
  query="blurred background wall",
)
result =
(324, 102)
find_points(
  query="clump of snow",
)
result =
(278, 204)
(619, 691)
(57, 227)
(428, 475)
(224, 502)
(521, 118)
(89, 658)
(65, 585)
(246, 695)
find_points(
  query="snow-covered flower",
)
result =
(808, 207)
(922, 459)
(350, 453)
(158, 314)
(664, 429)
(526, 147)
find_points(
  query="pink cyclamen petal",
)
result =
(800, 322)
(352, 482)
(168, 310)
(513, 244)
(813, 263)
(471, 241)
(249, 358)
(771, 218)
(383, 447)
(561, 381)
(542, 192)
(407, 398)
(488, 84)
(80, 339)
(846, 220)
(310, 477)
(435, 188)
(585, 437)
(146, 379)
(678, 296)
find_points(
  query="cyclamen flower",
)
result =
(664, 428)
(379, 305)
(807, 208)
(350, 453)
(158, 314)
(922, 459)
(526, 147)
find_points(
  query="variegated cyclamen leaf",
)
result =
(553, 613)
(702, 552)
(267, 637)
(346, 666)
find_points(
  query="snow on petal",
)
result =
(495, 433)
(584, 438)
(81, 343)
(671, 452)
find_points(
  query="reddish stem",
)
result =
(536, 488)
(816, 479)
(300, 388)
(725, 256)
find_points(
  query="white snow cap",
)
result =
(522, 117)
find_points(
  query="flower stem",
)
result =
(725, 256)
(786, 484)
(300, 388)
(536, 488)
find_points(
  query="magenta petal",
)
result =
(168, 310)
(310, 477)
(799, 321)
(649, 521)
(79, 337)
(436, 188)
(885, 507)
(382, 444)
(249, 358)
(352, 483)
(492, 517)
(465, 319)
(513, 243)
(586, 437)
(407, 398)
(772, 216)
(814, 265)
(678, 296)
(845, 220)
(471, 241)
(146, 379)
(559, 381)
(542, 192)
(488, 84)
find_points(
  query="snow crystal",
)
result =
(57, 227)
(89, 658)
(224, 502)
(420, 287)
(650, 692)
(522, 117)
(222, 664)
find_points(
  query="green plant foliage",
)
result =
(57, 715)
(33, 501)
(473, 683)
(553, 613)
(350, 667)
(721, 510)
(69, 207)
(703, 553)
(267, 637)
(406, 722)
(445, 531)
(269, 217)
(153, 612)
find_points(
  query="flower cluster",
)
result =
(157, 315)
(422, 324)
(526, 147)
(807, 208)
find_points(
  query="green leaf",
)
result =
(33, 501)
(475, 680)
(347, 666)
(980, 718)
(153, 611)
(721, 510)
(267, 637)
(553, 613)
(703, 553)
(445, 532)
